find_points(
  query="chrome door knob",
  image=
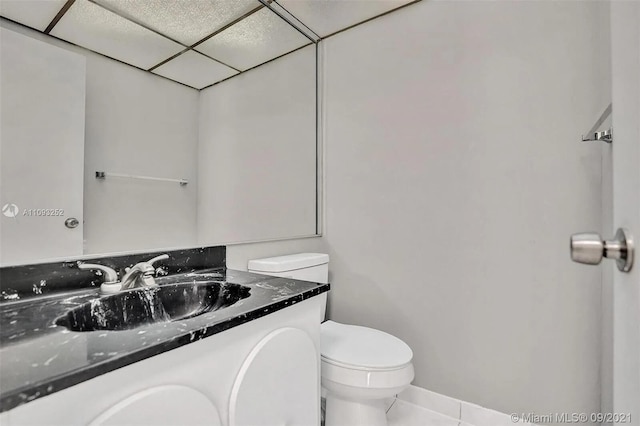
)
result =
(589, 248)
(71, 222)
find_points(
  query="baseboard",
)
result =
(465, 412)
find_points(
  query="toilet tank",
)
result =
(302, 266)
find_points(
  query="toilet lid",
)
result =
(362, 347)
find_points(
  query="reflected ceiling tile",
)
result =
(32, 13)
(254, 40)
(91, 26)
(328, 16)
(195, 70)
(186, 21)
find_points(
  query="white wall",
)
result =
(136, 123)
(257, 153)
(454, 177)
(239, 254)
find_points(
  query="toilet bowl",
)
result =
(361, 368)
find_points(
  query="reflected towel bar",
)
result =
(104, 175)
(606, 135)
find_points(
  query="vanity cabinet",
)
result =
(263, 372)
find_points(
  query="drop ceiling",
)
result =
(194, 42)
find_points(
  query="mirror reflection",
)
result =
(131, 125)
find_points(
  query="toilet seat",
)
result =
(361, 348)
(366, 379)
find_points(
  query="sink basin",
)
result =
(138, 307)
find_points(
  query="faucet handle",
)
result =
(148, 279)
(110, 276)
(157, 258)
(110, 284)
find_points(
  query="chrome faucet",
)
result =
(141, 274)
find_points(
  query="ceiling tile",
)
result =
(254, 40)
(326, 17)
(185, 21)
(91, 26)
(195, 70)
(32, 13)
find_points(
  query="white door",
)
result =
(625, 31)
(41, 149)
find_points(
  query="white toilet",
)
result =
(361, 367)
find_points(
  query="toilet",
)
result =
(360, 367)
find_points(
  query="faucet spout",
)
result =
(135, 276)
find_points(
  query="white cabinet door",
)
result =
(41, 149)
(278, 383)
(625, 36)
(169, 405)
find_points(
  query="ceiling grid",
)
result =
(197, 43)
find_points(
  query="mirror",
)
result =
(129, 126)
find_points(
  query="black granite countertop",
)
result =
(38, 357)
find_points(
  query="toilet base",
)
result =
(347, 412)
(356, 396)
